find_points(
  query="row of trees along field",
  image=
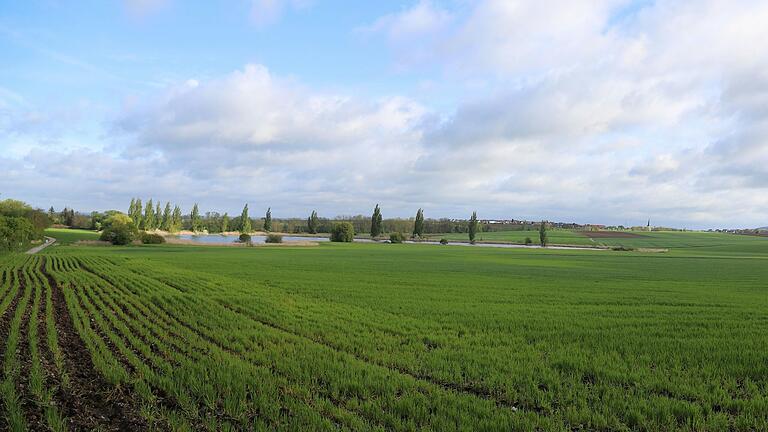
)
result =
(149, 217)
(20, 224)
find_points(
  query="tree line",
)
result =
(20, 224)
(149, 217)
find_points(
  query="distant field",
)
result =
(67, 236)
(388, 337)
(554, 236)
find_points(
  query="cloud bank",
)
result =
(605, 112)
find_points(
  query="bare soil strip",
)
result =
(89, 402)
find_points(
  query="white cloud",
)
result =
(608, 112)
(568, 84)
(266, 12)
(142, 8)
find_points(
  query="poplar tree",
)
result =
(543, 234)
(135, 213)
(165, 224)
(194, 219)
(148, 222)
(376, 222)
(225, 223)
(176, 219)
(473, 227)
(312, 223)
(245, 221)
(158, 216)
(268, 220)
(418, 224)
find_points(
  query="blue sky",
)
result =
(587, 111)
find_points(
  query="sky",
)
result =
(610, 112)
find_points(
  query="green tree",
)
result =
(312, 223)
(543, 234)
(343, 232)
(165, 224)
(148, 222)
(418, 224)
(472, 228)
(131, 208)
(175, 220)
(194, 219)
(268, 220)
(119, 229)
(135, 212)
(376, 222)
(225, 222)
(158, 216)
(245, 221)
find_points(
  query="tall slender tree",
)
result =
(165, 223)
(158, 216)
(376, 220)
(473, 227)
(543, 234)
(245, 221)
(268, 220)
(175, 220)
(312, 223)
(194, 219)
(418, 224)
(135, 213)
(225, 223)
(148, 222)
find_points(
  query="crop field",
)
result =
(558, 236)
(68, 236)
(386, 337)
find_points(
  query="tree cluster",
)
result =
(20, 224)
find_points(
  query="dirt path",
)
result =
(48, 241)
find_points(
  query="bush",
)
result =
(396, 237)
(528, 241)
(244, 238)
(274, 238)
(443, 241)
(148, 238)
(119, 230)
(343, 232)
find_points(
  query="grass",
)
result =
(408, 337)
(558, 236)
(65, 236)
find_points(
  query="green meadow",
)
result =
(397, 337)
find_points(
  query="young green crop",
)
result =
(411, 337)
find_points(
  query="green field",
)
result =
(388, 337)
(65, 236)
(561, 237)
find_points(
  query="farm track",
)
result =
(88, 402)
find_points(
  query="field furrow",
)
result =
(89, 401)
